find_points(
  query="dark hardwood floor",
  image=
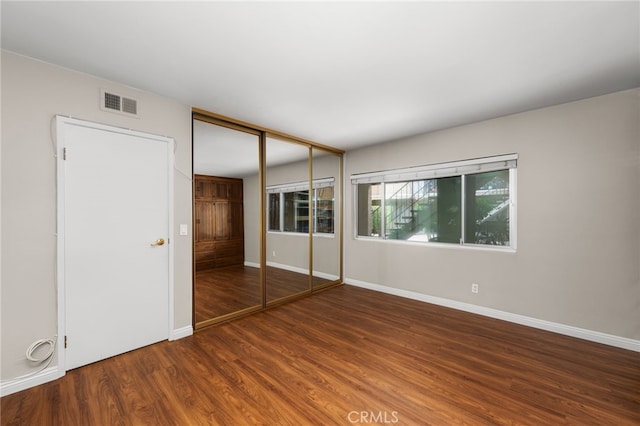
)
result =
(224, 290)
(220, 291)
(348, 356)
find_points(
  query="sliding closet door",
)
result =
(227, 195)
(288, 220)
(326, 218)
(267, 218)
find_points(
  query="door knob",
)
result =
(158, 242)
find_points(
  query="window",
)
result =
(288, 207)
(273, 214)
(466, 202)
(296, 211)
(323, 210)
(486, 213)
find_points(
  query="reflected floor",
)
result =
(221, 291)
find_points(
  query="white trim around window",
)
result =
(469, 203)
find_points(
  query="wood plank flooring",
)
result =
(348, 356)
(221, 291)
(228, 289)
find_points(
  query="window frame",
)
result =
(435, 171)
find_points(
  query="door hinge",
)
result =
(64, 157)
(65, 342)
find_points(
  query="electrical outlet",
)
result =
(274, 253)
(475, 288)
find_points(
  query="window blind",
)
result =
(300, 186)
(432, 171)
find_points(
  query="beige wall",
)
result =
(578, 208)
(578, 255)
(33, 93)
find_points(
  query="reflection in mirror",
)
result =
(288, 211)
(226, 225)
(326, 218)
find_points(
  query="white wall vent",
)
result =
(113, 102)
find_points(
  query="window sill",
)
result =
(501, 249)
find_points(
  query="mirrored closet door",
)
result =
(326, 207)
(226, 221)
(288, 219)
(267, 218)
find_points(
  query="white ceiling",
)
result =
(342, 74)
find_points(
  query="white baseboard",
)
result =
(318, 274)
(179, 333)
(7, 387)
(302, 270)
(325, 275)
(567, 330)
(288, 267)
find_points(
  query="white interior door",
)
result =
(115, 191)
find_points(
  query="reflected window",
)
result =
(296, 211)
(323, 210)
(274, 212)
(289, 208)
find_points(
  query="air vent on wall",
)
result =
(116, 103)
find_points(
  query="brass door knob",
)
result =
(158, 242)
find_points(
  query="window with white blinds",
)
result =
(289, 208)
(469, 202)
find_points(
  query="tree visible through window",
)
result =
(487, 208)
(466, 208)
